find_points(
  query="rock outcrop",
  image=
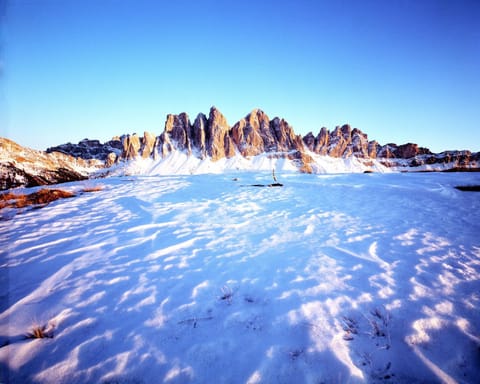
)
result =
(219, 142)
(147, 144)
(285, 138)
(256, 134)
(178, 129)
(213, 137)
(405, 151)
(252, 134)
(345, 142)
(89, 149)
(23, 167)
(205, 137)
(342, 142)
(199, 130)
(448, 160)
(131, 146)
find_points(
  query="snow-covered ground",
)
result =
(180, 163)
(205, 279)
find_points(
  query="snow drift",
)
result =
(175, 279)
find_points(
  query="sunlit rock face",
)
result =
(20, 166)
(285, 137)
(247, 133)
(205, 137)
(213, 137)
(147, 144)
(319, 143)
(219, 142)
(199, 131)
(131, 146)
(405, 151)
(178, 129)
(256, 134)
(342, 142)
(111, 159)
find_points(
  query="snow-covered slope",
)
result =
(205, 279)
(180, 163)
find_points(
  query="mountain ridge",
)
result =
(211, 138)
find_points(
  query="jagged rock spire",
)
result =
(219, 143)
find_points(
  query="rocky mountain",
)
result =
(213, 139)
(207, 137)
(346, 142)
(24, 167)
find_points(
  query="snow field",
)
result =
(180, 163)
(174, 279)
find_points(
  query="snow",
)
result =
(180, 163)
(339, 278)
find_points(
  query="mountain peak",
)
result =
(211, 138)
(214, 110)
(257, 111)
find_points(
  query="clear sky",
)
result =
(400, 70)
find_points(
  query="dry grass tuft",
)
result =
(227, 294)
(37, 199)
(96, 188)
(40, 332)
(88, 186)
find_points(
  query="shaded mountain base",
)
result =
(264, 185)
(459, 169)
(468, 188)
(13, 177)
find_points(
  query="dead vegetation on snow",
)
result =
(40, 198)
(40, 332)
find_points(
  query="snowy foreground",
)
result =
(205, 279)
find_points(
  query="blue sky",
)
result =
(401, 71)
